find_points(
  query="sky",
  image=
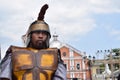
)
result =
(87, 25)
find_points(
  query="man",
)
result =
(36, 61)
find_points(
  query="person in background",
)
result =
(36, 61)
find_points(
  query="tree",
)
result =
(116, 51)
(116, 56)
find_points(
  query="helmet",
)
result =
(38, 25)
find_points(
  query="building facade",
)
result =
(77, 67)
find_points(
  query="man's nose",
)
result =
(40, 35)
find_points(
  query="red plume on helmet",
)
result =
(42, 12)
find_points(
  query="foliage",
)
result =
(116, 56)
(116, 51)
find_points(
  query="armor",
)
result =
(32, 64)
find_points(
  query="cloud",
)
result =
(72, 28)
(116, 34)
(105, 6)
(64, 15)
(69, 17)
(113, 32)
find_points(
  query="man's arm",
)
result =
(61, 72)
(5, 73)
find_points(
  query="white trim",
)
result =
(84, 75)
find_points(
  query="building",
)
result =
(77, 67)
(107, 68)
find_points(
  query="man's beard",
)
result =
(39, 45)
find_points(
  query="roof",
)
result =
(56, 43)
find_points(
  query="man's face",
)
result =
(38, 40)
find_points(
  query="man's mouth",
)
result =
(39, 41)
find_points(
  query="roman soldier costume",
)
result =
(32, 64)
(26, 63)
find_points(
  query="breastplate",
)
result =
(32, 64)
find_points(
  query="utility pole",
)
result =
(111, 64)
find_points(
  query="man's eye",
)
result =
(45, 33)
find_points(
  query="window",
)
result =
(64, 53)
(78, 66)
